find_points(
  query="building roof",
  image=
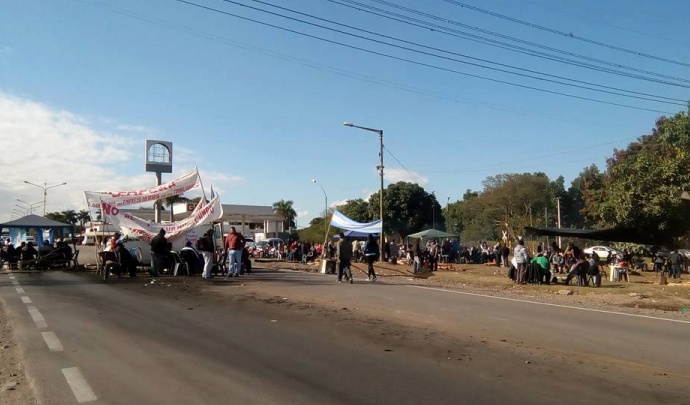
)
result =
(34, 221)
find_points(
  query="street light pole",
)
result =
(45, 189)
(31, 205)
(325, 213)
(380, 168)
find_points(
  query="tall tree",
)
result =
(407, 208)
(69, 216)
(83, 216)
(643, 182)
(357, 210)
(284, 209)
(172, 200)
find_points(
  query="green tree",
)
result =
(508, 202)
(83, 216)
(357, 210)
(172, 200)
(407, 208)
(580, 205)
(284, 209)
(57, 216)
(69, 216)
(642, 184)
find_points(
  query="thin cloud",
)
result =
(47, 146)
(395, 175)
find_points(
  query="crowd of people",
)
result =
(27, 256)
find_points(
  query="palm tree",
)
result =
(284, 209)
(82, 217)
(70, 216)
(170, 201)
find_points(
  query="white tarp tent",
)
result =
(341, 221)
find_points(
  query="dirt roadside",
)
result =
(641, 295)
(15, 388)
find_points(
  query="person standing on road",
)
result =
(371, 250)
(234, 243)
(675, 260)
(433, 255)
(521, 259)
(205, 246)
(343, 253)
(159, 252)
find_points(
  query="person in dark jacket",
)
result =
(371, 250)
(127, 262)
(159, 253)
(343, 254)
(675, 260)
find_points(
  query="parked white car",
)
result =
(603, 251)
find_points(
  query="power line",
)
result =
(681, 102)
(595, 21)
(413, 174)
(334, 70)
(512, 47)
(417, 62)
(566, 34)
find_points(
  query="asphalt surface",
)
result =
(284, 338)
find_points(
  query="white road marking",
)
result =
(26, 299)
(80, 388)
(52, 341)
(37, 317)
(11, 277)
(15, 282)
(548, 304)
(20, 290)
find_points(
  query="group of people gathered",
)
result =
(552, 261)
(26, 254)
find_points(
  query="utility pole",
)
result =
(546, 222)
(558, 213)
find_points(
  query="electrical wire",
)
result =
(369, 51)
(681, 101)
(565, 34)
(411, 173)
(445, 30)
(338, 71)
(604, 23)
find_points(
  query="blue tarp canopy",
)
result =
(18, 228)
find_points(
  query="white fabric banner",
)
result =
(203, 214)
(339, 220)
(189, 181)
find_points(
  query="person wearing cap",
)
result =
(159, 252)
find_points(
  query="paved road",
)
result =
(88, 341)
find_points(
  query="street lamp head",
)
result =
(347, 123)
(313, 181)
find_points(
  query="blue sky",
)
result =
(84, 82)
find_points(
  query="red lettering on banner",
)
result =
(153, 190)
(109, 209)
